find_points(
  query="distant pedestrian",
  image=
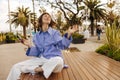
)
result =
(98, 31)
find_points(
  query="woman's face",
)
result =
(46, 19)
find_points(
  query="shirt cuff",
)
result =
(70, 38)
(32, 51)
(28, 51)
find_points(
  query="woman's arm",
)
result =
(64, 42)
(32, 50)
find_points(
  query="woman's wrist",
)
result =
(69, 34)
(29, 46)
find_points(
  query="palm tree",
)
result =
(21, 17)
(96, 12)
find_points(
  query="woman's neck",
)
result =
(44, 27)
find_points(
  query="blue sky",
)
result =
(13, 5)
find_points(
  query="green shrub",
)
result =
(77, 36)
(2, 37)
(116, 55)
(103, 49)
(10, 37)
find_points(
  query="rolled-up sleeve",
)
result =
(66, 41)
(62, 42)
(32, 51)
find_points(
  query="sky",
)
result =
(4, 27)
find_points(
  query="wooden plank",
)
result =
(78, 66)
(112, 68)
(83, 68)
(31, 77)
(60, 77)
(27, 77)
(108, 61)
(76, 75)
(112, 61)
(40, 76)
(65, 75)
(76, 70)
(89, 68)
(94, 72)
(68, 70)
(53, 76)
(98, 67)
(101, 68)
(22, 76)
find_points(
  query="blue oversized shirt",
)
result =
(48, 44)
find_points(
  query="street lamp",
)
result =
(9, 15)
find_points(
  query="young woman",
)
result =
(46, 50)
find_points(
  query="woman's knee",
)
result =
(59, 65)
(58, 68)
(59, 61)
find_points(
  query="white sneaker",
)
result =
(65, 66)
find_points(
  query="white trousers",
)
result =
(54, 64)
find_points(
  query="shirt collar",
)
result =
(49, 31)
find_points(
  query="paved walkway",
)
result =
(87, 46)
(13, 53)
(91, 44)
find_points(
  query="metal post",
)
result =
(9, 15)
(34, 15)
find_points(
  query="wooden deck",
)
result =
(84, 66)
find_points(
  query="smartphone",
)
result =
(20, 38)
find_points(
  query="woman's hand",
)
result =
(72, 30)
(27, 43)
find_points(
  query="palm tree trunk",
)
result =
(96, 26)
(92, 26)
(24, 32)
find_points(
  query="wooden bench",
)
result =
(83, 66)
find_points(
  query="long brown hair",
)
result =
(52, 23)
